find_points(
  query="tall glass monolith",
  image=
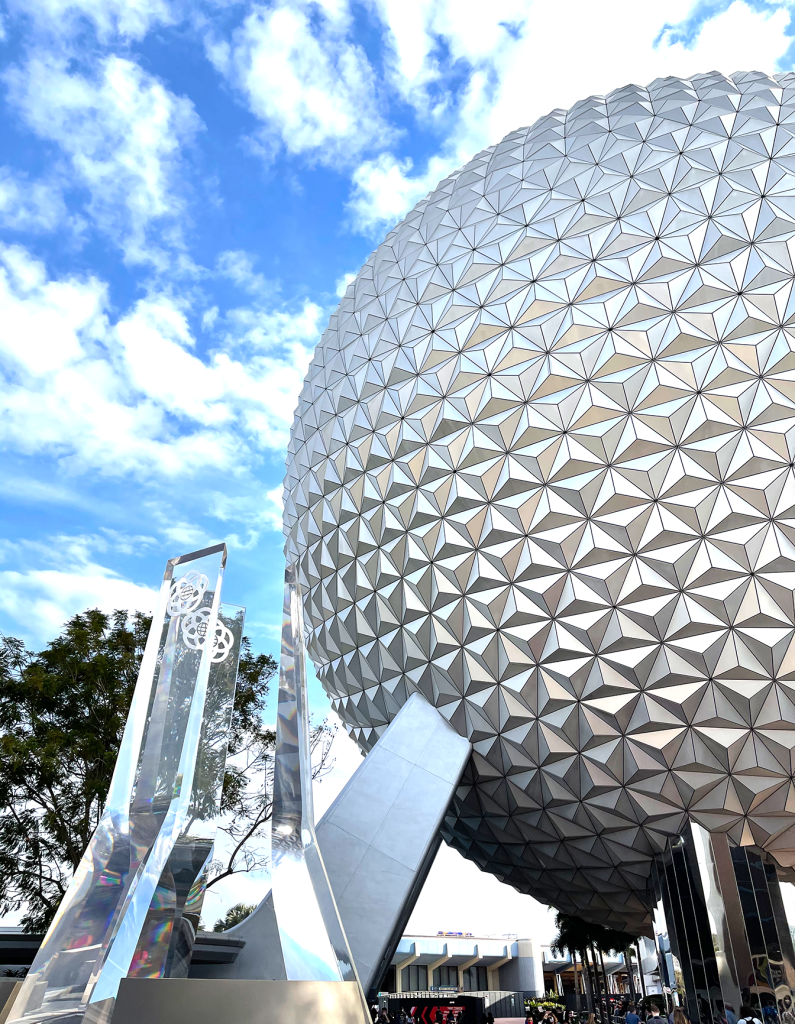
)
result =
(133, 905)
(310, 930)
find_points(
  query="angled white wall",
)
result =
(378, 840)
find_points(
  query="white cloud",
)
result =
(62, 393)
(255, 326)
(384, 190)
(274, 508)
(516, 76)
(178, 531)
(614, 44)
(42, 600)
(73, 550)
(156, 345)
(426, 37)
(45, 324)
(313, 89)
(257, 511)
(123, 132)
(278, 346)
(27, 490)
(135, 396)
(238, 266)
(130, 19)
(67, 580)
(30, 205)
(342, 283)
(209, 318)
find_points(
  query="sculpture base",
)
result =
(208, 1001)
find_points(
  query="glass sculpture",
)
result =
(133, 905)
(311, 933)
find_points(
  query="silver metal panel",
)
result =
(783, 930)
(377, 786)
(261, 956)
(8, 991)
(541, 471)
(730, 983)
(736, 939)
(313, 940)
(402, 827)
(400, 792)
(372, 903)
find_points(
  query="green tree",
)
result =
(62, 714)
(573, 937)
(239, 912)
(247, 798)
(580, 937)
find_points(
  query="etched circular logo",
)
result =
(195, 628)
(187, 592)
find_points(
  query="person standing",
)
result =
(748, 1015)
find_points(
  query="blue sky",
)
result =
(185, 189)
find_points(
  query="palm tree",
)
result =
(576, 936)
(614, 941)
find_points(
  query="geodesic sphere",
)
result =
(541, 471)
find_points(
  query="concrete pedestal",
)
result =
(204, 1001)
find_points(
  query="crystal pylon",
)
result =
(312, 937)
(132, 906)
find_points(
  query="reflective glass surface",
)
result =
(133, 904)
(310, 930)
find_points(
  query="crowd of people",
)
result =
(652, 1013)
(440, 1015)
(722, 1013)
(629, 1013)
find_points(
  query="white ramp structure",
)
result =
(378, 839)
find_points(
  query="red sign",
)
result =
(435, 1014)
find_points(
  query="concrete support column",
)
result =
(493, 973)
(467, 963)
(399, 969)
(437, 963)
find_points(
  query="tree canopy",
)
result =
(239, 912)
(62, 715)
(575, 935)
